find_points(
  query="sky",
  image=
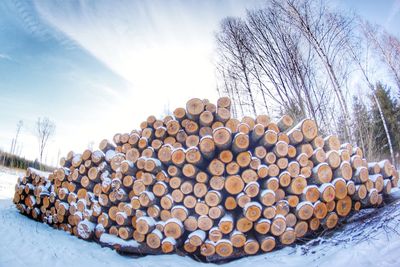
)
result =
(96, 68)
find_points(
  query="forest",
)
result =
(308, 59)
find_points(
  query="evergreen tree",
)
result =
(340, 130)
(391, 112)
(363, 128)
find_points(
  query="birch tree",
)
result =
(328, 33)
(15, 140)
(44, 130)
(265, 59)
(360, 52)
(387, 47)
(232, 47)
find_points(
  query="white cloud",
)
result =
(5, 57)
(163, 49)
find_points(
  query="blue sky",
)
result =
(101, 67)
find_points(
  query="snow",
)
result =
(163, 184)
(181, 207)
(76, 159)
(226, 218)
(249, 185)
(302, 204)
(65, 204)
(98, 154)
(169, 240)
(252, 204)
(149, 194)
(279, 216)
(105, 176)
(264, 220)
(176, 149)
(192, 148)
(8, 180)
(267, 191)
(85, 229)
(324, 186)
(113, 240)
(158, 233)
(63, 190)
(199, 233)
(222, 127)
(149, 220)
(221, 241)
(374, 177)
(24, 242)
(123, 214)
(40, 173)
(316, 168)
(161, 224)
(174, 220)
(339, 179)
(205, 137)
(382, 163)
(106, 182)
(157, 162)
(109, 155)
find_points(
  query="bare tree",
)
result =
(282, 65)
(328, 33)
(275, 56)
(266, 61)
(44, 130)
(297, 57)
(90, 146)
(361, 56)
(232, 50)
(387, 47)
(15, 140)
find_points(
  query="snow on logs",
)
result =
(205, 183)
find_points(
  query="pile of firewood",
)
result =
(207, 184)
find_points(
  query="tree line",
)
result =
(18, 162)
(306, 59)
(44, 130)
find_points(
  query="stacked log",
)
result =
(208, 184)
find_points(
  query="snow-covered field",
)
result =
(372, 241)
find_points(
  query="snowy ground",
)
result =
(372, 241)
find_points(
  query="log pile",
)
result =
(206, 184)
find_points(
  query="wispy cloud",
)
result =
(394, 11)
(163, 49)
(161, 52)
(5, 57)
